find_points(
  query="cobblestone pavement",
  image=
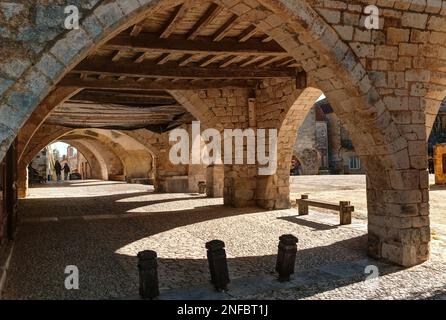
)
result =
(353, 188)
(100, 227)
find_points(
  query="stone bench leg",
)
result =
(345, 213)
(303, 209)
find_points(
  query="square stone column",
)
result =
(398, 216)
(215, 181)
(240, 185)
(197, 173)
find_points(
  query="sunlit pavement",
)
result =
(100, 227)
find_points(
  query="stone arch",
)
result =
(288, 111)
(109, 18)
(96, 161)
(47, 136)
(114, 165)
(114, 150)
(331, 65)
(136, 159)
(197, 106)
(43, 137)
(33, 123)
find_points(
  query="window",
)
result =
(354, 163)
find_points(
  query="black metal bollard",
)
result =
(148, 274)
(286, 257)
(218, 265)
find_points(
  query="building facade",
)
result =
(323, 145)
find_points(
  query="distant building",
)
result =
(71, 159)
(77, 163)
(44, 162)
(323, 145)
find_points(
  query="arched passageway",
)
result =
(278, 52)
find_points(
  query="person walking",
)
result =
(58, 169)
(66, 170)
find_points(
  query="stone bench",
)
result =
(344, 208)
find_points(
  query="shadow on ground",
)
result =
(44, 250)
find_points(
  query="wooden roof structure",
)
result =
(193, 45)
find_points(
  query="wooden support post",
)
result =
(148, 274)
(286, 257)
(345, 212)
(218, 264)
(303, 208)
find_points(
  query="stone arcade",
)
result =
(136, 69)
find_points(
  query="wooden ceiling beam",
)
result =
(284, 62)
(95, 109)
(267, 39)
(212, 12)
(226, 28)
(164, 58)
(130, 93)
(140, 57)
(124, 100)
(175, 19)
(102, 66)
(268, 61)
(230, 60)
(209, 60)
(146, 84)
(150, 43)
(247, 34)
(188, 58)
(117, 55)
(136, 30)
(251, 61)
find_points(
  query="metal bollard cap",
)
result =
(215, 245)
(289, 239)
(147, 255)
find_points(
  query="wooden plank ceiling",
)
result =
(194, 45)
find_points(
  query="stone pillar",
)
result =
(273, 192)
(398, 214)
(166, 171)
(215, 181)
(196, 174)
(22, 181)
(240, 185)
